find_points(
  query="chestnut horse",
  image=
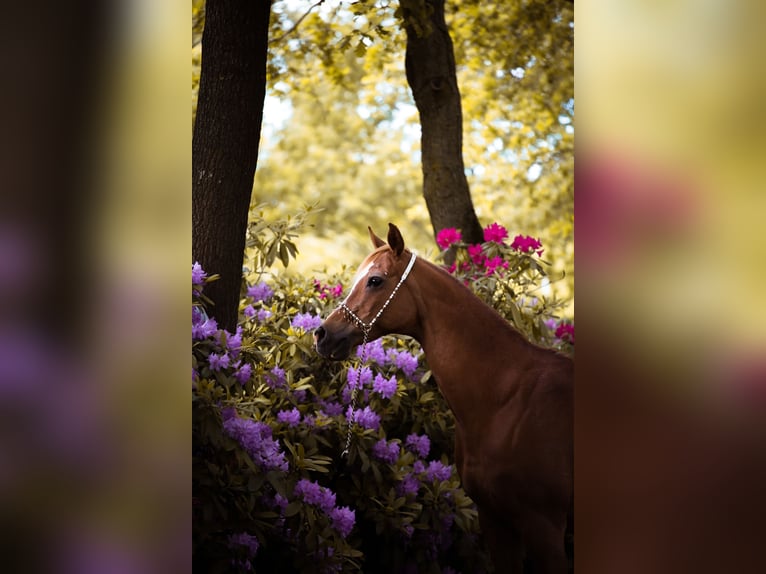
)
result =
(512, 400)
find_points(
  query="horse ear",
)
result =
(395, 241)
(376, 241)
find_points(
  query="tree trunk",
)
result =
(225, 143)
(430, 67)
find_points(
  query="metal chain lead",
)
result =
(366, 329)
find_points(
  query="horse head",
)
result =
(377, 303)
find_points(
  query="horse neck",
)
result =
(467, 344)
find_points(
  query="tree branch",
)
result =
(297, 23)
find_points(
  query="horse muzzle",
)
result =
(335, 346)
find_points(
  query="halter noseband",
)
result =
(367, 327)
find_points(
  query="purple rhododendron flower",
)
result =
(366, 418)
(418, 467)
(315, 494)
(218, 362)
(343, 519)
(260, 292)
(404, 361)
(495, 232)
(291, 418)
(419, 444)
(243, 373)
(255, 438)
(263, 314)
(203, 330)
(358, 377)
(373, 351)
(198, 274)
(386, 388)
(408, 485)
(438, 471)
(249, 311)
(448, 236)
(306, 321)
(385, 451)
(276, 378)
(243, 539)
(330, 408)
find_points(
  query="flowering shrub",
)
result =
(272, 491)
(508, 277)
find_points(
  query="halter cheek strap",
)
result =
(367, 327)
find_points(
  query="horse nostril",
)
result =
(319, 333)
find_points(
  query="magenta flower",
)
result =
(526, 244)
(495, 263)
(495, 232)
(476, 252)
(447, 237)
(565, 332)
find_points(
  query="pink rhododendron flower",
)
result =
(495, 232)
(525, 244)
(494, 263)
(447, 237)
(565, 332)
(476, 252)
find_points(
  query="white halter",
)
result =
(367, 327)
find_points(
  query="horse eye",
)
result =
(374, 281)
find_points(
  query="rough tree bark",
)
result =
(430, 67)
(225, 143)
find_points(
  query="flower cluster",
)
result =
(291, 418)
(358, 377)
(306, 321)
(495, 233)
(419, 444)
(255, 438)
(448, 237)
(386, 451)
(198, 275)
(342, 518)
(526, 244)
(385, 387)
(326, 291)
(565, 332)
(365, 418)
(260, 292)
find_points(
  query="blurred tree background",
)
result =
(341, 130)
